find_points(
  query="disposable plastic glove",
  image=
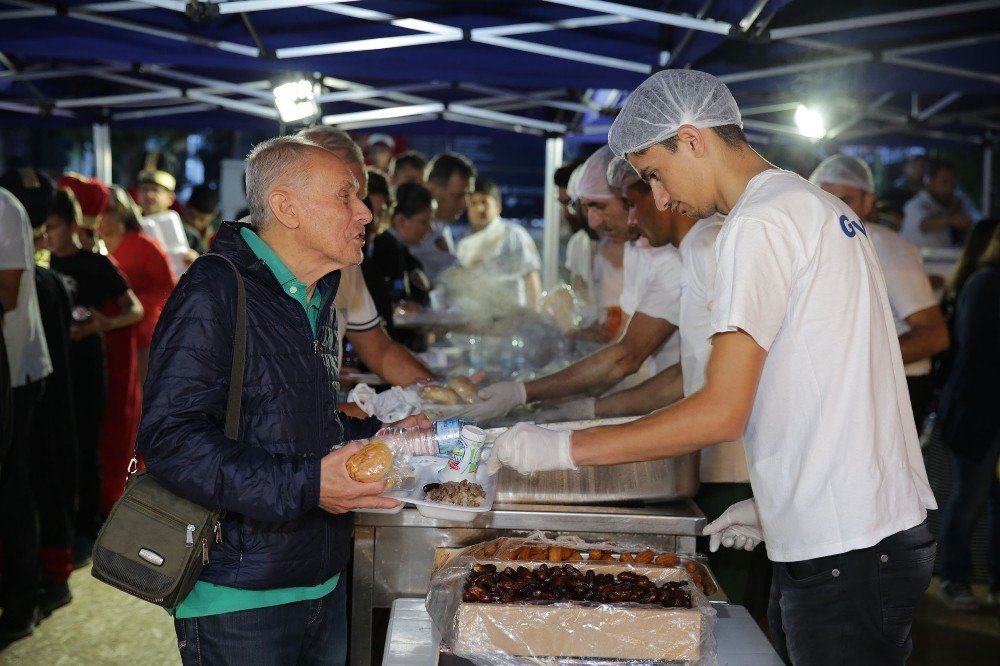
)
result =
(571, 410)
(738, 527)
(530, 448)
(498, 399)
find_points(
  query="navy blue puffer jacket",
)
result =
(273, 534)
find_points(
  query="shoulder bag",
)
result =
(155, 542)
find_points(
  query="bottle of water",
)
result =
(438, 440)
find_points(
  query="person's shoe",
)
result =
(14, 629)
(958, 596)
(52, 596)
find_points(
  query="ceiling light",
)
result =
(296, 101)
(809, 122)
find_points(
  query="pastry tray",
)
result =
(426, 471)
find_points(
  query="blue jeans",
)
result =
(854, 608)
(973, 486)
(305, 632)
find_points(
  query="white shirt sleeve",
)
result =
(526, 249)
(354, 298)
(753, 284)
(662, 296)
(12, 221)
(906, 281)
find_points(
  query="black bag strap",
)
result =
(235, 397)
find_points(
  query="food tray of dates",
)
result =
(496, 609)
(460, 501)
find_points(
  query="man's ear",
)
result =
(691, 138)
(283, 208)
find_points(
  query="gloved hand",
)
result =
(498, 399)
(572, 410)
(738, 527)
(530, 448)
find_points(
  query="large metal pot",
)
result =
(660, 480)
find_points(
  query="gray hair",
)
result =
(265, 164)
(337, 141)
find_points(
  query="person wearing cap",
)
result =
(155, 196)
(916, 314)
(501, 251)
(30, 365)
(380, 149)
(358, 320)
(805, 365)
(407, 167)
(100, 362)
(649, 301)
(579, 251)
(450, 178)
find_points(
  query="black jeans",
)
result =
(89, 372)
(18, 513)
(854, 608)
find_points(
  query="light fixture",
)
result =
(296, 101)
(809, 122)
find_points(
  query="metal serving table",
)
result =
(394, 553)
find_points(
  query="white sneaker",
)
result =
(958, 596)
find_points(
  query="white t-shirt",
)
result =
(504, 252)
(23, 334)
(580, 258)
(906, 281)
(832, 449)
(355, 307)
(651, 285)
(607, 291)
(918, 209)
(725, 462)
(430, 253)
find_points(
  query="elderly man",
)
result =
(805, 365)
(649, 301)
(271, 592)
(357, 317)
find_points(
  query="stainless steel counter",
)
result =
(394, 553)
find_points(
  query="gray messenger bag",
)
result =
(155, 542)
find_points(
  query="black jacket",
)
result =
(268, 482)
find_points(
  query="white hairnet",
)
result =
(844, 170)
(665, 101)
(621, 174)
(590, 180)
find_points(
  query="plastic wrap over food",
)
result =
(567, 309)
(511, 600)
(383, 459)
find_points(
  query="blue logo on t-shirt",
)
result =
(851, 227)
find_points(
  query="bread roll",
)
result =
(465, 389)
(442, 395)
(371, 463)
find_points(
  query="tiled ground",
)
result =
(105, 627)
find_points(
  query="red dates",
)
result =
(485, 584)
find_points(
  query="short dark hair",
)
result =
(562, 174)
(411, 158)
(937, 166)
(445, 165)
(731, 135)
(378, 183)
(204, 199)
(487, 186)
(411, 199)
(65, 206)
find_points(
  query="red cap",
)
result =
(93, 195)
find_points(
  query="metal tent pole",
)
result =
(102, 152)
(987, 178)
(550, 241)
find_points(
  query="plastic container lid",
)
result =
(473, 434)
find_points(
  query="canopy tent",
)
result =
(914, 69)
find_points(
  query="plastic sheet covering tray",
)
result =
(660, 480)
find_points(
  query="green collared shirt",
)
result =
(289, 283)
(210, 599)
